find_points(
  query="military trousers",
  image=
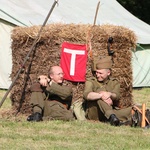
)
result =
(50, 109)
(122, 114)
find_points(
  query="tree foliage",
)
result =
(139, 8)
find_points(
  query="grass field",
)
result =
(18, 134)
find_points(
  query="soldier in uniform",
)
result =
(101, 94)
(50, 99)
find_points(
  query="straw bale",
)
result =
(47, 53)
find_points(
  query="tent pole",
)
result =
(97, 8)
(27, 56)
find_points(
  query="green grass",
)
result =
(18, 134)
(142, 96)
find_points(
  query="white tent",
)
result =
(28, 13)
(5, 54)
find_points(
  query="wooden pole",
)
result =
(143, 123)
(97, 8)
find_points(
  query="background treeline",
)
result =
(139, 8)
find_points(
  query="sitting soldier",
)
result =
(100, 93)
(50, 99)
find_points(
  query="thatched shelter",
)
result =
(47, 53)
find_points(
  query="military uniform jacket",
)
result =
(110, 85)
(61, 93)
(92, 85)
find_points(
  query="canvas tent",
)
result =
(5, 53)
(28, 13)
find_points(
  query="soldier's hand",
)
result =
(109, 101)
(43, 80)
(105, 95)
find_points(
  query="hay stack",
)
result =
(47, 53)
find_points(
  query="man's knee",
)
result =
(57, 111)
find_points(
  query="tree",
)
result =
(139, 8)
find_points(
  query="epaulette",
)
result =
(113, 79)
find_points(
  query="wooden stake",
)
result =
(97, 8)
(143, 123)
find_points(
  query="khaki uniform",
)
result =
(53, 102)
(98, 109)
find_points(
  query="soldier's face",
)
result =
(102, 74)
(57, 75)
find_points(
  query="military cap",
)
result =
(102, 63)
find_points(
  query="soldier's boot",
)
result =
(114, 121)
(35, 117)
